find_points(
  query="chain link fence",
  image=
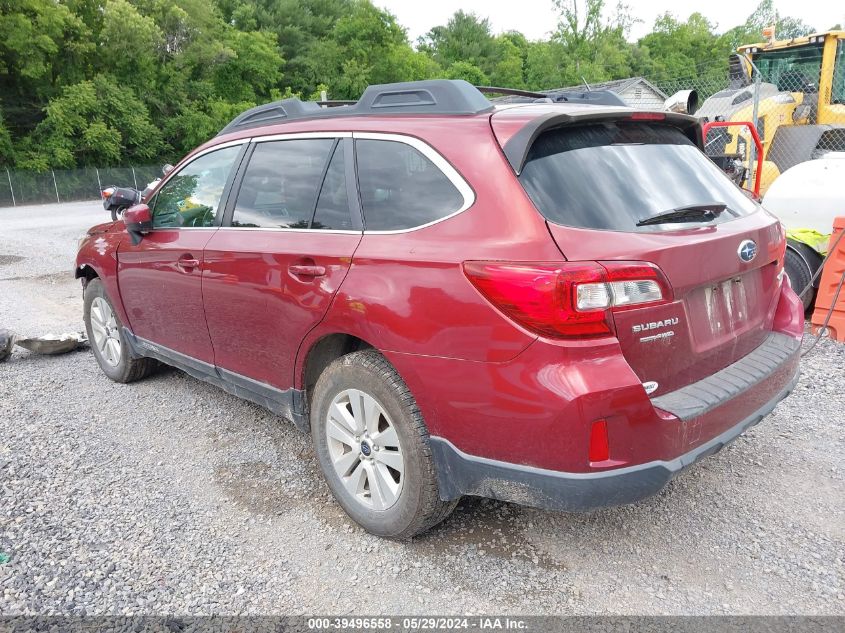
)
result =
(789, 99)
(66, 185)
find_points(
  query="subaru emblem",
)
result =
(747, 250)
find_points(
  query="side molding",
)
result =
(289, 404)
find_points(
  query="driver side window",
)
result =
(191, 198)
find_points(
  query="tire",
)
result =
(416, 506)
(800, 264)
(114, 357)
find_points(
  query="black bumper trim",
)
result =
(461, 474)
(713, 391)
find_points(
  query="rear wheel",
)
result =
(373, 449)
(107, 340)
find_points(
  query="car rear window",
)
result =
(612, 175)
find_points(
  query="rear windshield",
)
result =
(613, 175)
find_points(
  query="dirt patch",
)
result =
(50, 278)
(254, 488)
(482, 527)
(5, 260)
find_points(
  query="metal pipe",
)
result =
(55, 186)
(752, 158)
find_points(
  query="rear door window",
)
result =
(401, 188)
(333, 204)
(613, 175)
(281, 183)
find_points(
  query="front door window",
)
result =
(191, 198)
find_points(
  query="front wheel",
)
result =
(372, 446)
(106, 337)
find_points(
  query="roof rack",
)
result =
(434, 96)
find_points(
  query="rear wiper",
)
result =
(690, 213)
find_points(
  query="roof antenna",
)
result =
(586, 84)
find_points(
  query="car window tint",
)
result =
(280, 185)
(191, 197)
(400, 187)
(613, 175)
(333, 204)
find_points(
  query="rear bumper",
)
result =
(462, 474)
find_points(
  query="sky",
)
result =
(536, 18)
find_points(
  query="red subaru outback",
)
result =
(561, 305)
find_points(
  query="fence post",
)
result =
(55, 186)
(99, 184)
(11, 189)
(134, 180)
(752, 151)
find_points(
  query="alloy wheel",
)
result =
(364, 449)
(105, 331)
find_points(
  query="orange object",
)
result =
(834, 268)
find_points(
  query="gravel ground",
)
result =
(170, 496)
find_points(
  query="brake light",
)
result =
(647, 116)
(570, 299)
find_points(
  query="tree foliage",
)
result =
(108, 82)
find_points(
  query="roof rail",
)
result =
(434, 96)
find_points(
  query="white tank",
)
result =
(810, 194)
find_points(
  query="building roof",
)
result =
(617, 86)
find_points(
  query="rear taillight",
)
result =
(570, 299)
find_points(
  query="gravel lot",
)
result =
(169, 496)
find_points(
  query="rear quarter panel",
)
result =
(406, 291)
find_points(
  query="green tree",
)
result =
(766, 15)
(95, 122)
(594, 47)
(7, 154)
(130, 43)
(43, 46)
(465, 38)
(249, 66)
(468, 72)
(508, 71)
(682, 51)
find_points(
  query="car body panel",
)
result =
(257, 310)
(161, 295)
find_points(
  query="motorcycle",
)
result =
(117, 199)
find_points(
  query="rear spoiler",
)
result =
(517, 147)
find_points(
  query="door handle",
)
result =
(187, 263)
(304, 270)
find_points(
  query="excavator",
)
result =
(800, 112)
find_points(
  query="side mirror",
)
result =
(166, 169)
(138, 221)
(683, 101)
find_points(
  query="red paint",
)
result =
(262, 297)
(487, 378)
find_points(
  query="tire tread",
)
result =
(432, 509)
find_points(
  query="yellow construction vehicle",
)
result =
(794, 90)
